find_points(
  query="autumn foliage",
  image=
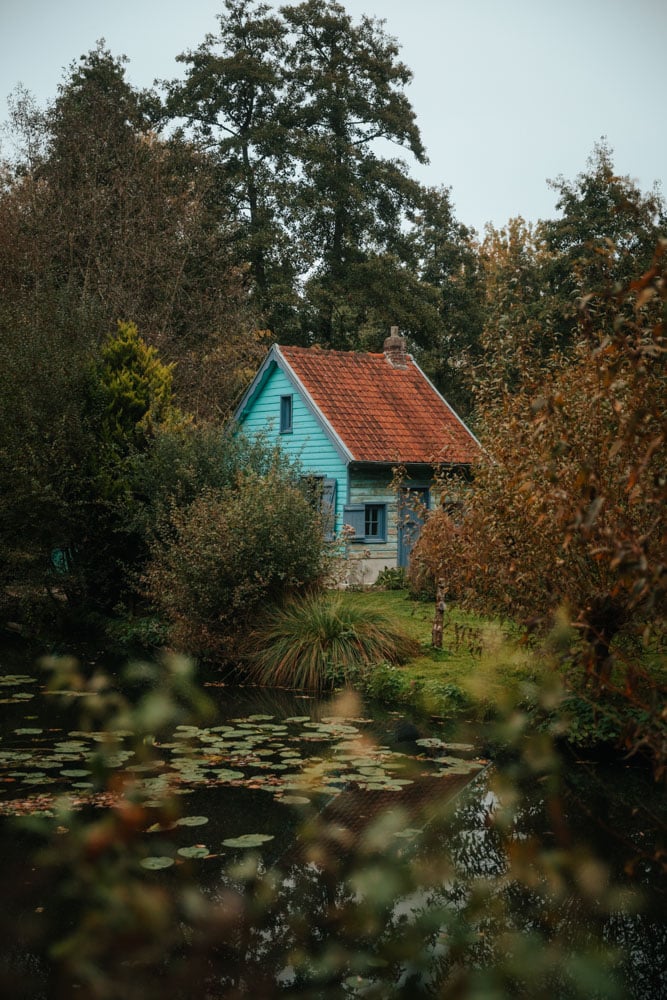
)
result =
(566, 514)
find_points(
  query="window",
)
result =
(374, 521)
(369, 521)
(285, 414)
(321, 494)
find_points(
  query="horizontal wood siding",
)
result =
(374, 486)
(307, 443)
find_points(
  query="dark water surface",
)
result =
(245, 783)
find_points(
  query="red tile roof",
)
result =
(382, 413)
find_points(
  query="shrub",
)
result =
(318, 640)
(392, 578)
(229, 552)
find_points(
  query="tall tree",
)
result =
(116, 223)
(295, 105)
(607, 230)
(345, 94)
(542, 281)
(448, 318)
(232, 103)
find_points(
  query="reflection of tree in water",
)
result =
(417, 915)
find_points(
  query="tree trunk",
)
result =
(440, 607)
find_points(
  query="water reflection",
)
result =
(378, 871)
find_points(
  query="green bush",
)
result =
(392, 578)
(228, 553)
(321, 640)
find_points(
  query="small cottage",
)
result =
(352, 419)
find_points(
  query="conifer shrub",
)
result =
(317, 640)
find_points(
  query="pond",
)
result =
(283, 809)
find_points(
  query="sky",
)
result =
(507, 93)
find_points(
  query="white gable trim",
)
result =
(275, 357)
(255, 385)
(335, 438)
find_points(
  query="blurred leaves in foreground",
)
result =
(381, 895)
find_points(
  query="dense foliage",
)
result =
(567, 513)
(229, 553)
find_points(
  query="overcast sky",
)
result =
(507, 92)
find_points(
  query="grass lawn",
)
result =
(480, 668)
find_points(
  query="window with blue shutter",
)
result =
(329, 508)
(321, 494)
(369, 521)
(285, 414)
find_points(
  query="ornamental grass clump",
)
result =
(313, 642)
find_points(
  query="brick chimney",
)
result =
(394, 349)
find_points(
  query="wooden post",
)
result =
(440, 607)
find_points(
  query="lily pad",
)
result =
(294, 800)
(28, 732)
(228, 775)
(154, 864)
(192, 821)
(248, 840)
(194, 852)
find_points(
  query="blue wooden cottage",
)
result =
(352, 419)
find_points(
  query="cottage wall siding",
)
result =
(307, 443)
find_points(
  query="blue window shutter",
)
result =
(355, 515)
(329, 507)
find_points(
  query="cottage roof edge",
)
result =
(276, 358)
(335, 438)
(447, 404)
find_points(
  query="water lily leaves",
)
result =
(156, 863)
(77, 772)
(454, 762)
(192, 821)
(248, 840)
(462, 767)
(294, 800)
(431, 743)
(159, 827)
(198, 851)
(227, 774)
(28, 732)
